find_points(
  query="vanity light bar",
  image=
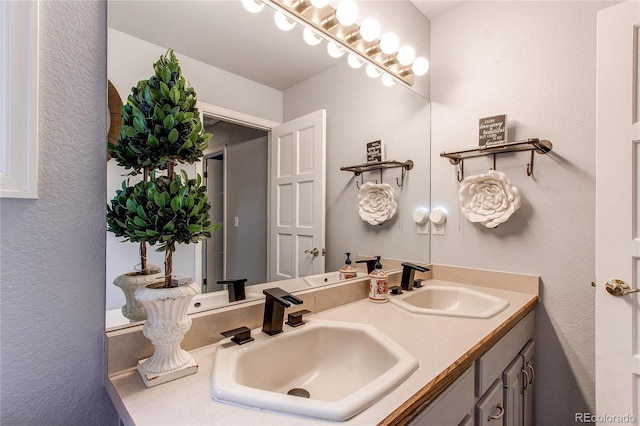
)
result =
(324, 22)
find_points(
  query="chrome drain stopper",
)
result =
(302, 393)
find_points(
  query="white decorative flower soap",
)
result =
(489, 199)
(376, 203)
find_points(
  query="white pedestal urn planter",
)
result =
(129, 283)
(167, 323)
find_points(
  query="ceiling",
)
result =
(225, 35)
(431, 9)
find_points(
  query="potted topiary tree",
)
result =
(162, 128)
(147, 273)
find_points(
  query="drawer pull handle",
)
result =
(527, 379)
(499, 414)
(533, 375)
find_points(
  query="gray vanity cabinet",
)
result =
(513, 381)
(490, 408)
(518, 380)
(508, 365)
(454, 406)
(505, 396)
(528, 360)
(496, 390)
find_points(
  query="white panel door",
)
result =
(297, 205)
(617, 215)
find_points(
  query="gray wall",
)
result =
(53, 249)
(534, 61)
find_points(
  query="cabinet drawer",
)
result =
(490, 408)
(451, 406)
(491, 365)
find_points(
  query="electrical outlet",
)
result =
(422, 228)
(437, 219)
(236, 221)
(437, 229)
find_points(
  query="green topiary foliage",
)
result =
(162, 212)
(161, 127)
(160, 121)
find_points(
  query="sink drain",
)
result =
(302, 393)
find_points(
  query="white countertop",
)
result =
(436, 342)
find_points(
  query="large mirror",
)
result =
(250, 77)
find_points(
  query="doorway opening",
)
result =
(237, 178)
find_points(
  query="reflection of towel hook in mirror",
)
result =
(459, 169)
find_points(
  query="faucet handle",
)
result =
(294, 319)
(395, 290)
(239, 336)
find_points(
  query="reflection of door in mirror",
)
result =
(298, 189)
(237, 182)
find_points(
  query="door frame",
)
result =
(244, 120)
(211, 154)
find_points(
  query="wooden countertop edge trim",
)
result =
(414, 405)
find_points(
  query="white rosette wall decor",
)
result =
(489, 199)
(376, 202)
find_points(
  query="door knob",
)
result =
(315, 252)
(617, 287)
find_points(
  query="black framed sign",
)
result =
(493, 130)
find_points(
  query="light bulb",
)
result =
(389, 43)
(420, 66)
(282, 22)
(354, 61)
(406, 55)
(253, 6)
(369, 29)
(319, 3)
(334, 50)
(372, 71)
(311, 38)
(347, 13)
(387, 80)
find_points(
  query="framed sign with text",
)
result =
(493, 130)
(375, 151)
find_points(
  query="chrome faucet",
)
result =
(276, 300)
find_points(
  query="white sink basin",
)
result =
(343, 367)
(450, 301)
(328, 278)
(206, 301)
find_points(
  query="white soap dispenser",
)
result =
(378, 284)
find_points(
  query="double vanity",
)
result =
(434, 355)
